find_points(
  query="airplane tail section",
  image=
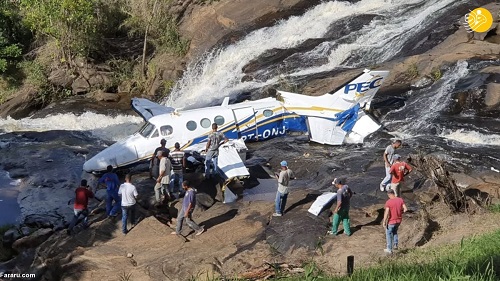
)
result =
(361, 90)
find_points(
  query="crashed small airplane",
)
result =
(332, 118)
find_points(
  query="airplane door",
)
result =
(245, 122)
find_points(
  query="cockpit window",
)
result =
(146, 130)
(155, 134)
(166, 130)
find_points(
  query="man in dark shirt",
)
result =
(82, 195)
(341, 212)
(155, 161)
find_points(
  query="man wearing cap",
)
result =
(341, 211)
(155, 160)
(82, 195)
(398, 171)
(388, 153)
(394, 208)
(282, 194)
(215, 139)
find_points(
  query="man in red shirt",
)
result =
(394, 208)
(399, 170)
(82, 195)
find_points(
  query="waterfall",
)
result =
(219, 72)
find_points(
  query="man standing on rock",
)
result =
(163, 178)
(399, 170)
(111, 182)
(215, 140)
(282, 194)
(155, 160)
(82, 195)
(388, 153)
(394, 208)
(129, 194)
(341, 211)
(178, 166)
(186, 211)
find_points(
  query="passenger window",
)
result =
(191, 125)
(166, 130)
(219, 120)
(155, 134)
(205, 122)
(268, 113)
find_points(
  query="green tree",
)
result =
(14, 37)
(71, 22)
(152, 20)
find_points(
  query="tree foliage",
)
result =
(71, 22)
(13, 35)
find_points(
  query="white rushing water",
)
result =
(100, 125)
(219, 73)
(417, 117)
(471, 137)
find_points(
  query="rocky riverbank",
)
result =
(243, 237)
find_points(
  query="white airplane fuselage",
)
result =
(250, 121)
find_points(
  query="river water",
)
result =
(9, 209)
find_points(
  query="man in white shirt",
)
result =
(282, 194)
(128, 192)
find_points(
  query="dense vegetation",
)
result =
(37, 36)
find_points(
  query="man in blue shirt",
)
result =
(186, 211)
(111, 182)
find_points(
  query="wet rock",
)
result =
(25, 230)
(231, 20)
(18, 173)
(103, 96)
(297, 228)
(10, 236)
(40, 220)
(32, 241)
(492, 97)
(422, 83)
(204, 200)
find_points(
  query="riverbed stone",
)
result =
(80, 86)
(33, 240)
(492, 97)
(10, 236)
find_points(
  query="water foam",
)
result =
(219, 73)
(471, 137)
(101, 126)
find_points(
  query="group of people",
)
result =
(396, 170)
(127, 195)
(167, 169)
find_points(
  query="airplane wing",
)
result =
(147, 109)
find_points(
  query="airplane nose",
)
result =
(117, 155)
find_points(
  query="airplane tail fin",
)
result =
(360, 90)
